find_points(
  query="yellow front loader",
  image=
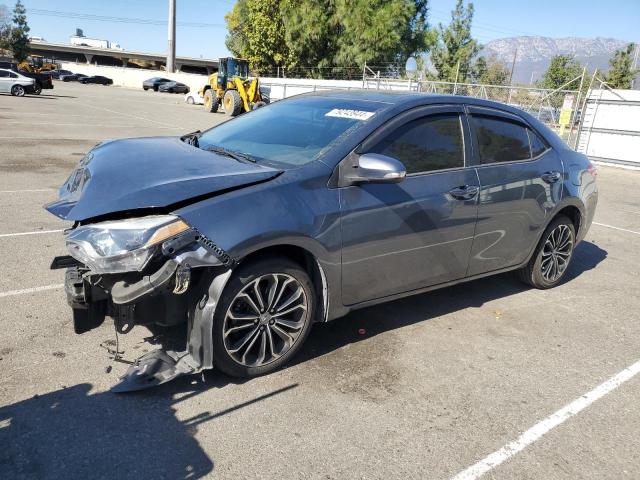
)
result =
(37, 64)
(231, 88)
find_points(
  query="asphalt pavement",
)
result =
(425, 387)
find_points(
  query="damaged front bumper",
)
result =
(174, 297)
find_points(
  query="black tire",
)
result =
(211, 102)
(145, 88)
(155, 88)
(538, 275)
(241, 278)
(18, 91)
(232, 103)
(37, 88)
(190, 100)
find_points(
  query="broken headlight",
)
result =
(122, 245)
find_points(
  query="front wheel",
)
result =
(263, 317)
(17, 91)
(190, 100)
(232, 102)
(211, 101)
(550, 261)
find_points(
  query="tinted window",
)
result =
(291, 132)
(425, 144)
(501, 140)
(4, 73)
(537, 145)
(13, 75)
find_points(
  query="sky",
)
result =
(204, 32)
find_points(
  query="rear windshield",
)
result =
(292, 132)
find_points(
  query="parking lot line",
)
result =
(29, 191)
(616, 228)
(11, 293)
(20, 234)
(538, 430)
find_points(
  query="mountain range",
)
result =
(535, 53)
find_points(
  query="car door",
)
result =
(520, 186)
(399, 237)
(5, 81)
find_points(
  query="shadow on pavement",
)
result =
(70, 433)
(327, 337)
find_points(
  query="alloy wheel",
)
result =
(556, 253)
(265, 319)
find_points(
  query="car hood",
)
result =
(146, 173)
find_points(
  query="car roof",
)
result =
(411, 99)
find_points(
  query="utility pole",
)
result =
(513, 66)
(171, 54)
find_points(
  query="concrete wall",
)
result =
(276, 88)
(133, 77)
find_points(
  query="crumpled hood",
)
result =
(145, 173)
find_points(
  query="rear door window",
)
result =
(500, 140)
(537, 145)
(429, 143)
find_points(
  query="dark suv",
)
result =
(232, 244)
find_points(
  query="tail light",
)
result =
(592, 170)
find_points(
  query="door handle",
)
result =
(465, 192)
(551, 177)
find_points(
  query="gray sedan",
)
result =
(230, 243)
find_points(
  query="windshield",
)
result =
(291, 133)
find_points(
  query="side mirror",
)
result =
(375, 168)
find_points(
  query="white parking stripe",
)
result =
(11, 293)
(28, 191)
(538, 430)
(20, 234)
(616, 228)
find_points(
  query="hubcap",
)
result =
(556, 253)
(265, 319)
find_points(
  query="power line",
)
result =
(106, 18)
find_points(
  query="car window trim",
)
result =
(411, 115)
(488, 112)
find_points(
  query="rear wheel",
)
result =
(17, 91)
(211, 102)
(550, 261)
(232, 103)
(37, 88)
(263, 317)
(190, 100)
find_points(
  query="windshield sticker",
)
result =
(352, 114)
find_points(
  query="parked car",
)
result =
(15, 83)
(193, 98)
(154, 83)
(99, 79)
(42, 81)
(173, 87)
(242, 236)
(56, 73)
(74, 77)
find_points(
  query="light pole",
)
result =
(171, 54)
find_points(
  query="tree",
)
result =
(452, 54)
(327, 36)
(621, 71)
(490, 72)
(18, 38)
(256, 32)
(562, 69)
(5, 27)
